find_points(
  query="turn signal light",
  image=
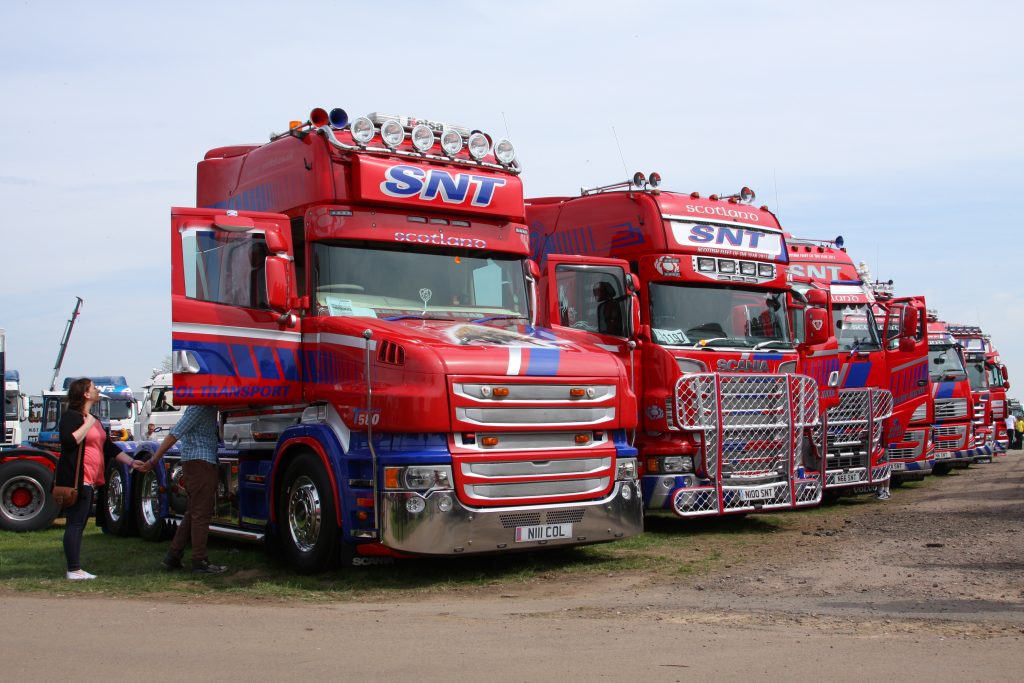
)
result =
(582, 438)
(576, 392)
(391, 477)
(364, 502)
(489, 441)
(501, 391)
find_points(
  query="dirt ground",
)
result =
(926, 587)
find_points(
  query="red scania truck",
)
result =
(726, 424)
(881, 382)
(952, 403)
(357, 299)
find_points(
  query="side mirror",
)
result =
(910, 323)
(907, 344)
(816, 326)
(633, 282)
(1006, 374)
(533, 269)
(1006, 385)
(276, 242)
(278, 279)
(817, 297)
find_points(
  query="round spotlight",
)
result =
(318, 117)
(746, 195)
(451, 142)
(479, 145)
(338, 118)
(422, 137)
(392, 133)
(362, 130)
(639, 180)
(655, 179)
(504, 152)
(840, 242)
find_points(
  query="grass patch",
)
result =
(34, 562)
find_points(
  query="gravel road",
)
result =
(928, 586)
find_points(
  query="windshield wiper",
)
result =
(763, 344)
(416, 316)
(704, 343)
(499, 317)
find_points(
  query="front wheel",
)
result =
(942, 468)
(25, 500)
(306, 514)
(120, 520)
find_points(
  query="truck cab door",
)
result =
(905, 340)
(590, 294)
(234, 339)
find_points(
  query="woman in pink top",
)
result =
(82, 435)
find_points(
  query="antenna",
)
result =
(616, 136)
(508, 133)
(775, 181)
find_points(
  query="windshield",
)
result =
(162, 400)
(978, 375)
(119, 408)
(995, 377)
(11, 405)
(378, 282)
(855, 327)
(944, 363)
(731, 316)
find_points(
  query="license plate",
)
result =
(757, 494)
(847, 477)
(898, 467)
(943, 455)
(543, 532)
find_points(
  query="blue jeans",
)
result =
(75, 518)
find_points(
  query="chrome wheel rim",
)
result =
(150, 499)
(115, 497)
(305, 514)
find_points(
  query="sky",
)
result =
(895, 124)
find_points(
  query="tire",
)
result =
(25, 500)
(306, 514)
(942, 469)
(120, 519)
(146, 505)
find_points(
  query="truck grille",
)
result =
(917, 437)
(753, 430)
(943, 437)
(544, 441)
(950, 408)
(854, 431)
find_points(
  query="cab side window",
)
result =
(225, 268)
(592, 299)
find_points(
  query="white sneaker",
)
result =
(80, 575)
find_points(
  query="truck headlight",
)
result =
(626, 469)
(418, 478)
(677, 463)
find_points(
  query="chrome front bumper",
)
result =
(464, 530)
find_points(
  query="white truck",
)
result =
(15, 409)
(157, 412)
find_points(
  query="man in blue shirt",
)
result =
(200, 435)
